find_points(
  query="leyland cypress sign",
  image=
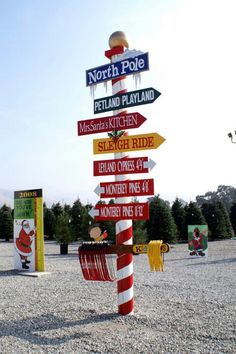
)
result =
(122, 166)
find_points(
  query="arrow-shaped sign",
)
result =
(93, 212)
(127, 143)
(149, 164)
(125, 100)
(126, 165)
(106, 124)
(111, 71)
(127, 188)
(134, 211)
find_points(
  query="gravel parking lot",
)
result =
(188, 308)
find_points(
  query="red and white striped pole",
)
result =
(124, 234)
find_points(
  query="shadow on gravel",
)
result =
(177, 259)
(7, 273)
(36, 330)
(62, 256)
(219, 261)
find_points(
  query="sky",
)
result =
(45, 48)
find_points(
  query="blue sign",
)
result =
(114, 70)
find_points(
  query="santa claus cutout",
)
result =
(24, 242)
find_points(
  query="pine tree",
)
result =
(57, 209)
(6, 223)
(161, 225)
(178, 213)
(216, 219)
(139, 231)
(228, 232)
(193, 216)
(76, 219)
(49, 222)
(86, 221)
(209, 212)
(232, 216)
(63, 233)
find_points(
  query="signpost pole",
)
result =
(124, 232)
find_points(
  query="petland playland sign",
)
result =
(28, 230)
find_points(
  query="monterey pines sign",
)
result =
(135, 211)
(114, 70)
(129, 188)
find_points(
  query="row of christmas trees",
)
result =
(66, 223)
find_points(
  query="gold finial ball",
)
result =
(117, 39)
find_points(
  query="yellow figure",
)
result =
(154, 256)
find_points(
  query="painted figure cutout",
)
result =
(23, 243)
(96, 233)
(197, 242)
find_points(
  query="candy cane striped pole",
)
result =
(124, 232)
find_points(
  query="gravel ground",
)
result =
(189, 308)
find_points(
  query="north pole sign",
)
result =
(106, 124)
(135, 211)
(114, 70)
(122, 166)
(134, 188)
(125, 100)
(127, 143)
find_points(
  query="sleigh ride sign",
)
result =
(28, 230)
(127, 143)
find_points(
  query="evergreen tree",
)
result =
(67, 209)
(139, 232)
(63, 234)
(216, 221)
(86, 222)
(178, 213)
(193, 216)
(77, 211)
(6, 223)
(232, 216)
(57, 209)
(49, 222)
(210, 213)
(228, 232)
(161, 225)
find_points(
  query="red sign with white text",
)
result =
(106, 124)
(129, 188)
(122, 166)
(134, 211)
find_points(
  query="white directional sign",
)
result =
(123, 166)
